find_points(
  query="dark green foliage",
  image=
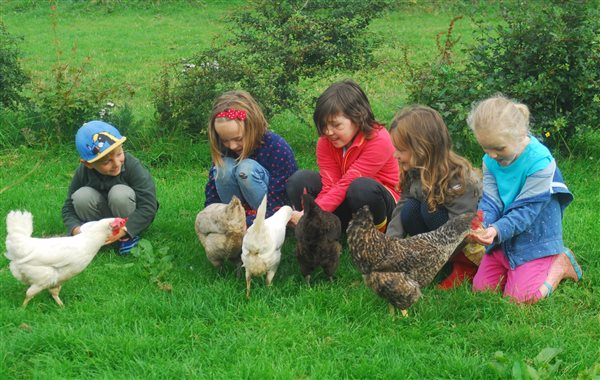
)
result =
(12, 77)
(122, 117)
(273, 46)
(545, 55)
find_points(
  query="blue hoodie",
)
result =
(525, 202)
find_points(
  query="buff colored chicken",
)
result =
(220, 228)
(261, 247)
(47, 263)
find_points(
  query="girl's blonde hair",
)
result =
(501, 116)
(254, 127)
(422, 131)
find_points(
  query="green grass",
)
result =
(118, 324)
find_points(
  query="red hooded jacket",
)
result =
(372, 158)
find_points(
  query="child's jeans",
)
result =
(91, 205)
(521, 284)
(247, 179)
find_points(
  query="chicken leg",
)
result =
(30, 293)
(54, 292)
(248, 283)
(270, 275)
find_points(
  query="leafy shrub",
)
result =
(12, 77)
(273, 46)
(543, 54)
(547, 56)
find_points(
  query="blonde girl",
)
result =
(524, 197)
(249, 160)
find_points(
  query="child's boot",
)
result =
(463, 270)
(382, 227)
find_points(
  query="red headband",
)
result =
(233, 114)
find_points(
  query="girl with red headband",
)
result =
(249, 160)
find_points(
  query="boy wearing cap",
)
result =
(109, 183)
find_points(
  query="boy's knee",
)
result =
(89, 204)
(86, 197)
(121, 200)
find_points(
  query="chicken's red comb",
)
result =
(477, 221)
(117, 224)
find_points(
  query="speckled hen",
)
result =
(397, 269)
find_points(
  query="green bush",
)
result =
(547, 56)
(542, 54)
(12, 77)
(273, 46)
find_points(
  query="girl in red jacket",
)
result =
(355, 156)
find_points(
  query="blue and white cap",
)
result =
(96, 139)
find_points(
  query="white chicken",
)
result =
(47, 263)
(220, 228)
(261, 247)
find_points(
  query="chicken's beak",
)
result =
(117, 225)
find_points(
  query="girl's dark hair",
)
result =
(347, 98)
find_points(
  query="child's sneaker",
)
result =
(125, 246)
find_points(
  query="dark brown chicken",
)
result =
(317, 239)
(397, 269)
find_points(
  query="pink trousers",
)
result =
(521, 284)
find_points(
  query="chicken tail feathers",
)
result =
(259, 221)
(19, 223)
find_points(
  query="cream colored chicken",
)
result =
(47, 263)
(220, 228)
(261, 247)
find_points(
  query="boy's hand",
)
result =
(111, 239)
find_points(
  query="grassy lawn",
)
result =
(117, 323)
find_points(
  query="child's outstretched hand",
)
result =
(296, 215)
(484, 236)
(113, 238)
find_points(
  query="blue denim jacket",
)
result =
(531, 226)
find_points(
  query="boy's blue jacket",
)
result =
(530, 226)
